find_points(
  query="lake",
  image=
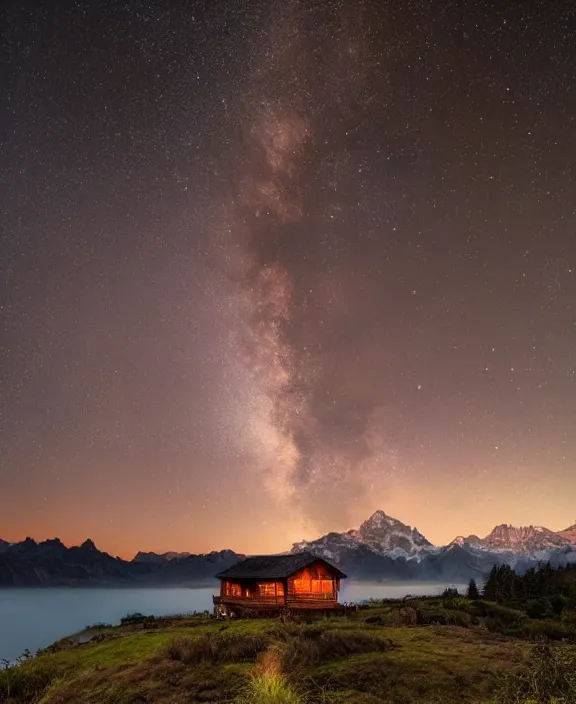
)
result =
(35, 618)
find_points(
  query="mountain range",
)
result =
(382, 548)
(51, 563)
(152, 558)
(384, 545)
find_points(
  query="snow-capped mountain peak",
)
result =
(465, 541)
(401, 549)
(387, 534)
(523, 540)
(380, 518)
(381, 534)
(569, 533)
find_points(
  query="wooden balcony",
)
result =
(290, 601)
(312, 601)
(253, 601)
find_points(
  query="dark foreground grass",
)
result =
(361, 659)
(218, 648)
(549, 676)
(313, 646)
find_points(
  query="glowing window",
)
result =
(321, 586)
(301, 586)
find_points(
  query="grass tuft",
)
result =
(269, 689)
(26, 681)
(268, 684)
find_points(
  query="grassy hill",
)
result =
(426, 650)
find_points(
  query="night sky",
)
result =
(270, 265)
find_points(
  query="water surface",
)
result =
(35, 618)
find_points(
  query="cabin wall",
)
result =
(252, 589)
(316, 579)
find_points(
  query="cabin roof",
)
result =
(274, 566)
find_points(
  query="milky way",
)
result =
(270, 266)
(315, 456)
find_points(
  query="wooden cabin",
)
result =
(273, 583)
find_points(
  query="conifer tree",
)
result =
(473, 592)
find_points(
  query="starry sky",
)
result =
(270, 265)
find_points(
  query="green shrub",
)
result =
(559, 603)
(131, 619)
(538, 630)
(450, 604)
(498, 619)
(549, 676)
(375, 620)
(479, 608)
(98, 625)
(539, 608)
(442, 617)
(26, 681)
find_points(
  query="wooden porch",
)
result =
(298, 601)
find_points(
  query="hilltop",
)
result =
(446, 649)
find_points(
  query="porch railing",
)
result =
(274, 600)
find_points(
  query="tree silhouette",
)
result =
(473, 591)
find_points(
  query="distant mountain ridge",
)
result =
(390, 537)
(382, 548)
(51, 563)
(159, 559)
(524, 540)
